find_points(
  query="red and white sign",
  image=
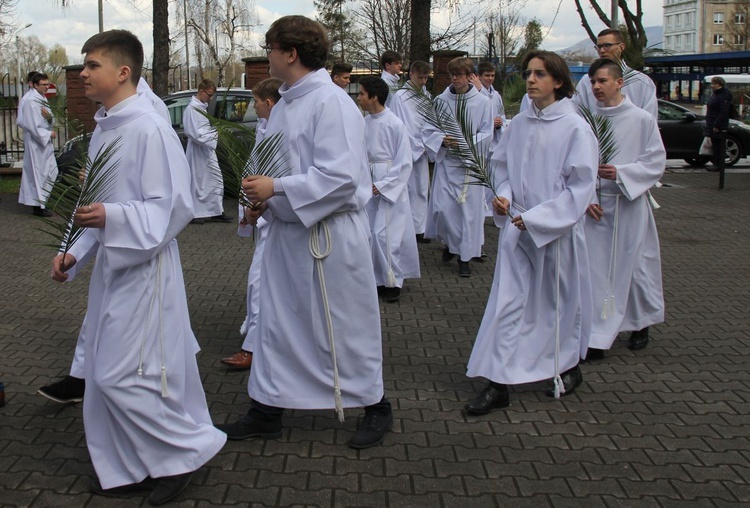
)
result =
(51, 91)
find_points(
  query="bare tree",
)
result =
(632, 26)
(7, 20)
(218, 24)
(57, 59)
(737, 27)
(505, 29)
(160, 68)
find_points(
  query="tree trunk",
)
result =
(161, 47)
(420, 30)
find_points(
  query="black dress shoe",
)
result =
(221, 218)
(494, 396)
(133, 489)
(422, 239)
(391, 295)
(168, 487)
(638, 340)
(251, 425)
(372, 429)
(447, 255)
(198, 221)
(41, 212)
(464, 270)
(593, 355)
(571, 379)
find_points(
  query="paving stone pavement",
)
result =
(667, 426)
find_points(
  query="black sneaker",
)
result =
(68, 389)
(41, 212)
(251, 425)
(464, 270)
(221, 218)
(371, 430)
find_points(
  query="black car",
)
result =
(233, 104)
(682, 133)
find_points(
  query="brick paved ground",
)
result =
(667, 426)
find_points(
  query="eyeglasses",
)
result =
(606, 45)
(539, 74)
(269, 49)
(44, 84)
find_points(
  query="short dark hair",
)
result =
(485, 67)
(306, 36)
(461, 65)
(122, 47)
(268, 89)
(30, 76)
(611, 31)
(557, 68)
(605, 63)
(718, 80)
(389, 57)
(373, 85)
(38, 76)
(419, 67)
(206, 84)
(341, 68)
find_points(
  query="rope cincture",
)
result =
(157, 293)
(319, 256)
(559, 385)
(609, 297)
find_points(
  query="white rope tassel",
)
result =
(464, 188)
(390, 280)
(156, 294)
(319, 256)
(559, 385)
(609, 299)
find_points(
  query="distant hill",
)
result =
(585, 48)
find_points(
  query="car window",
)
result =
(670, 112)
(235, 108)
(176, 107)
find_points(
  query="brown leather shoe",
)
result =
(240, 361)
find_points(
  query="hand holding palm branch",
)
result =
(605, 136)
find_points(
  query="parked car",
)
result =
(233, 104)
(682, 133)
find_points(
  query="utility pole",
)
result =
(21, 79)
(187, 41)
(101, 16)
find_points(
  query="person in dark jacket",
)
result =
(717, 114)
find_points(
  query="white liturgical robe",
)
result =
(540, 301)
(455, 214)
(404, 106)
(393, 82)
(207, 183)
(638, 87)
(154, 99)
(39, 166)
(322, 199)
(624, 245)
(394, 244)
(137, 324)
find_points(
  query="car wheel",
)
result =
(698, 161)
(733, 151)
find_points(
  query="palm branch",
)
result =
(459, 127)
(237, 143)
(605, 136)
(74, 191)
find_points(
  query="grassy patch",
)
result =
(10, 184)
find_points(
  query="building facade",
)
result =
(705, 26)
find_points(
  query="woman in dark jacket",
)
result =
(717, 114)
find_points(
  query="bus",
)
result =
(738, 84)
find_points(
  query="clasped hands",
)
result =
(258, 189)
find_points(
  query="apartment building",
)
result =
(704, 26)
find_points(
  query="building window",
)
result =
(689, 41)
(678, 41)
(718, 39)
(688, 20)
(718, 18)
(739, 18)
(739, 39)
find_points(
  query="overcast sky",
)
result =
(73, 25)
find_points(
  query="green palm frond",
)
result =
(56, 105)
(69, 194)
(472, 153)
(237, 144)
(605, 135)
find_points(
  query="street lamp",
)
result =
(18, 61)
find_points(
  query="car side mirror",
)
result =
(688, 118)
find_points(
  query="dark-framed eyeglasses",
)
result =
(606, 45)
(538, 73)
